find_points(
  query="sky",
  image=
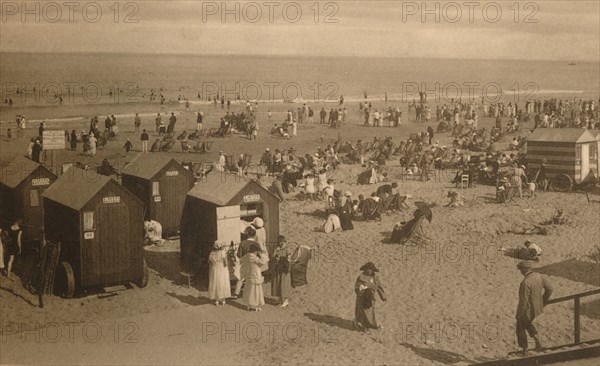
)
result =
(536, 30)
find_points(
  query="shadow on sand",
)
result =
(333, 321)
(445, 357)
(574, 270)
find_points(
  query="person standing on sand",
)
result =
(12, 244)
(366, 286)
(251, 265)
(93, 144)
(219, 288)
(144, 137)
(199, 120)
(36, 151)
(281, 284)
(137, 122)
(73, 140)
(158, 121)
(517, 177)
(322, 114)
(534, 292)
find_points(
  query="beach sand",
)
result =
(451, 301)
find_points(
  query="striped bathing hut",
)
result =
(569, 151)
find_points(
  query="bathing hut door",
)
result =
(113, 241)
(585, 160)
(228, 224)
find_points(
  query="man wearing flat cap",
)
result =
(534, 292)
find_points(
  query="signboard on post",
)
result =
(54, 140)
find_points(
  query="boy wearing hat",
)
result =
(534, 292)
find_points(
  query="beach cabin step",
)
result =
(116, 288)
(549, 355)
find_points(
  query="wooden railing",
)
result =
(577, 309)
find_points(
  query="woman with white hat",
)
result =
(261, 239)
(219, 287)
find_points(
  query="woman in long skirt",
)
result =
(367, 285)
(346, 212)
(219, 287)
(281, 284)
(251, 271)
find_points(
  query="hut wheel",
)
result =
(562, 183)
(66, 281)
(143, 281)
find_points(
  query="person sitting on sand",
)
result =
(529, 251)
(559, 219)
(155, 146)
(372, 208)
(456, 199)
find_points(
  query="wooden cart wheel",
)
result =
(143, 282)
(65, 281)
(562, 183)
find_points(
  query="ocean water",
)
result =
(90, 78)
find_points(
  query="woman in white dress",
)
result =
(219, 287)
(251, 271)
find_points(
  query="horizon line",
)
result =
(288, 56)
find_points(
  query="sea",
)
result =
(87, 78)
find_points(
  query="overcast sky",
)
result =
(542, 30)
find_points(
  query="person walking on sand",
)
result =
(251, 266)
(366, 286)
(144, 137)
(128, 145)
(219, 288)
(281, 284)
(534, 292)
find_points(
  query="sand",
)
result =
(451, 301)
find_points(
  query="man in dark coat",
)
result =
(534, 292)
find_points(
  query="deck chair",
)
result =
(185, 146)
(410, 233)
(299, 266)
(199, 147)
(168, 146)
(246, 162)
(230, 164)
